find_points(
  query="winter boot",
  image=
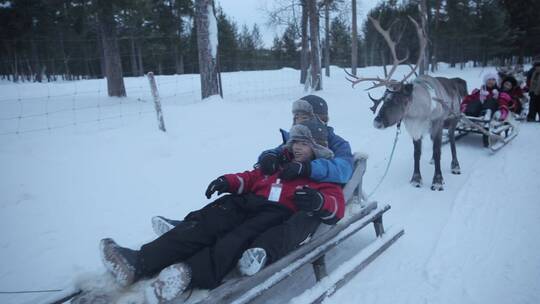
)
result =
(252, 261)
(169, 284)
(120, 262)
(162, 225)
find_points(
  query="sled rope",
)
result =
(398, 130)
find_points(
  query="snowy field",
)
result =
(77, 166)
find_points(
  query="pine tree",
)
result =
(340, 42)
(228, 42)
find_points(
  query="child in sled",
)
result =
(510, 86)
(210, 242)
(487, 101)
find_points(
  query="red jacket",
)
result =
(256, 182)
(515, 94)
(503, 99)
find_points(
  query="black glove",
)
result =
(269, 163)
(220, 185)
(294, 169)
(308, 199)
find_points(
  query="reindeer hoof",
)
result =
(437, 183)
(416, 180)
(438, 187)
(455, 168)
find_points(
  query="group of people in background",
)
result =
(501, 95)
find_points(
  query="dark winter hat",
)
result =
(314, 132)
(311, 104)
(510, 79)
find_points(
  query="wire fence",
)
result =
(50, 106)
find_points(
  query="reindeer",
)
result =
(424, 105)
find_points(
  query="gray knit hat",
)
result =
(314, 132)
(310, 104)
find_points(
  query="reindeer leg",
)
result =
(436, 137)
(416, 179)
(452, 136)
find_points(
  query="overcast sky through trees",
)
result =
(252, 11)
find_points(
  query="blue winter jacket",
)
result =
(336, 170)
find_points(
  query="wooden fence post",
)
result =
(157, 102)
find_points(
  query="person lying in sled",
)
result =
(211, 240)
(487, 101)
(301, 226)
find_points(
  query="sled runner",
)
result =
(495, 134)
(360, 213)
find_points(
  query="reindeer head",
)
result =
(398, 94)
(394, 108)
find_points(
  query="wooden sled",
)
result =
(247, 289)
(495, 134)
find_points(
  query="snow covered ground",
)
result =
(77, 166)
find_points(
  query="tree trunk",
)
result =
(327, 38)
(87, 69)
(36, 66)
(180, 66)
(101, 58)
(207, 43)
(434, 40)
(177, 59)
(15, 67)
(315, 58)
(424, 64)
(134, 67)
(113, 62)
(65, 59)
(304, 52)
(354, 40)
(139, 57)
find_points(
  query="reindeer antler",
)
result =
(377, 81)
(355, 80)
(422, 41)
(376, 103)
(388, 81)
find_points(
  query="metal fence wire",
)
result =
(31, 107)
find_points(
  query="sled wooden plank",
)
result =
(479, 128)
(355, 182)
(63, 296)
(341, 277)
(248, 288)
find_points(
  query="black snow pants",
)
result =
(478, 108)
(534, 106)
(280, 240)
(220, 233)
